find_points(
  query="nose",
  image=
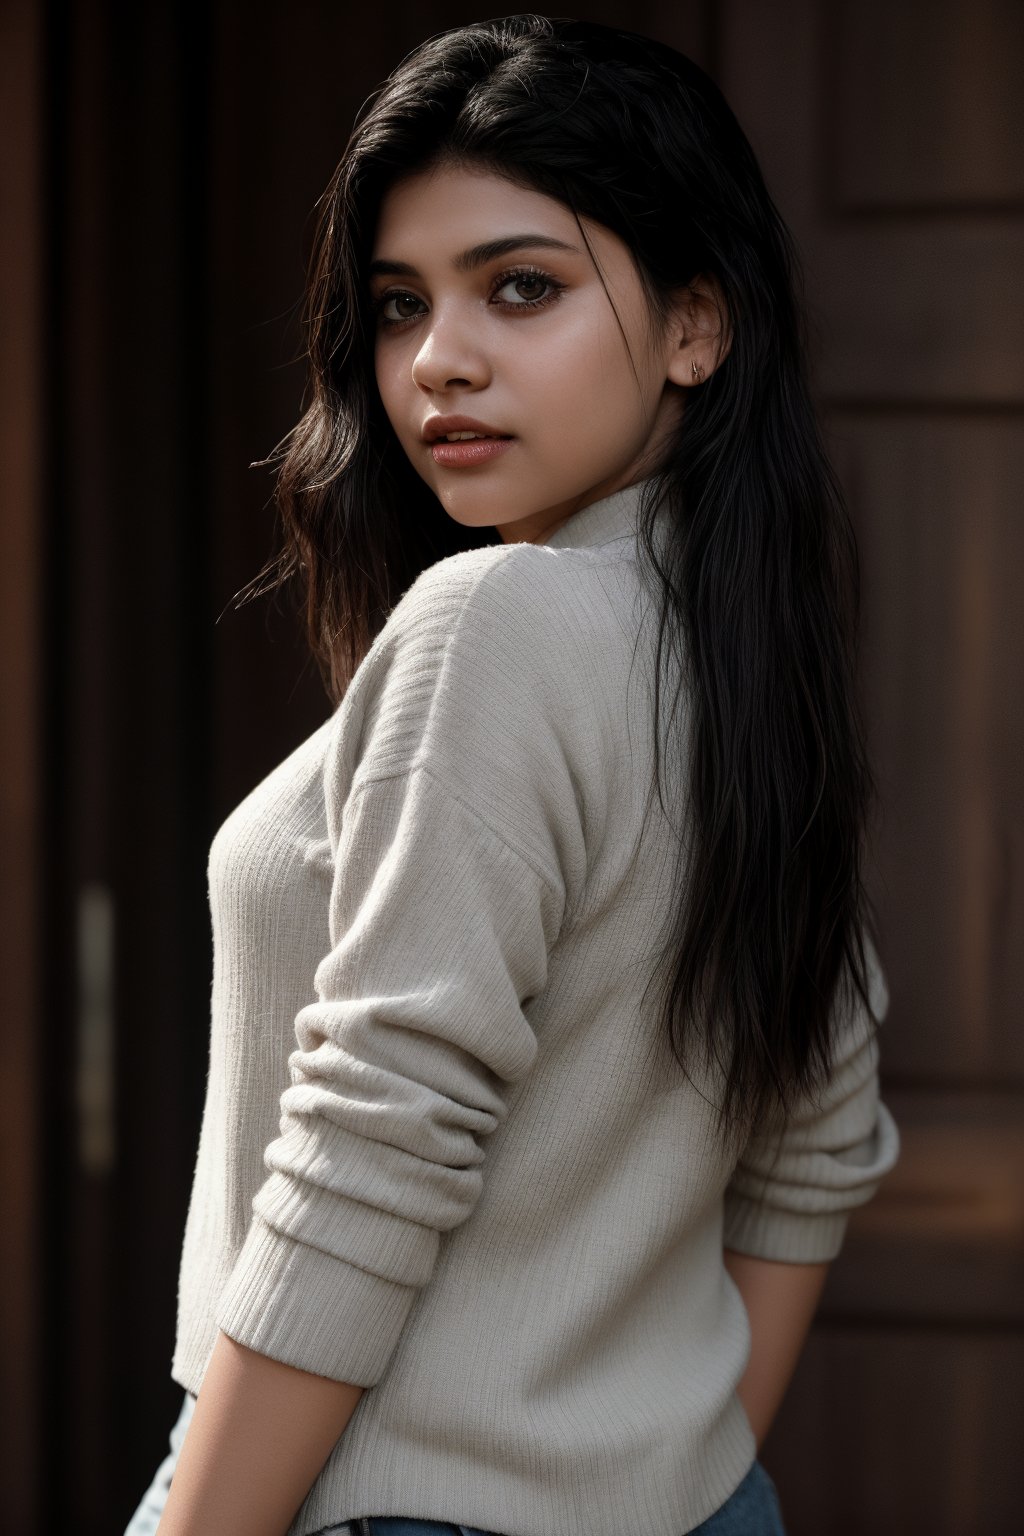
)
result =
(450, 352)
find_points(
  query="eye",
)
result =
(394, 296)
(528, 278)
(518, 278)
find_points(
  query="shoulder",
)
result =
(477, 682)
(467, 652)
(524, 648)
(500, 652)
(513, 648)
(501, 674)
(553, 612)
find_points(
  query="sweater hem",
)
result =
(647, 1497)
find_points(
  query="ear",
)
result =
(698, 336)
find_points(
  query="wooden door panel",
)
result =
(891, 137)
(902, 1432)
(916, 314)
(943, 1240)
(913, 300)
(927, 105)
(936, 499)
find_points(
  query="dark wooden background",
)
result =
(159, 170)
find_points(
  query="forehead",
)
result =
(451, 207)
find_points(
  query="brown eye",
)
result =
(521, 282)
(398, 297)
(532, 290)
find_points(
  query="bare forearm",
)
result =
(260, 1434)
(780, 1300)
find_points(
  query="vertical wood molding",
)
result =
(21, 246)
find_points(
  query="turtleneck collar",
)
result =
(613, 517)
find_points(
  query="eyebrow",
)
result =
(475, 256)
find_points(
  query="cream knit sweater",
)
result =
(446, 1152)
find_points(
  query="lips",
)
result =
(467, 452)
(440, 426)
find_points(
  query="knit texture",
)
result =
(446, 1152)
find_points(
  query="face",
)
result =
(524, 341)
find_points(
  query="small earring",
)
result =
(698, 370)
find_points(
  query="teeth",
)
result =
(461, 437)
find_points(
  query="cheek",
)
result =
(582, 376)
(389, 384)
(587, 347)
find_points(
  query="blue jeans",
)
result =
(751, 1510)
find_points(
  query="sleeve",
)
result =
(793, 1189)
(440, 933)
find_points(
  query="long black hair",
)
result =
(759, 581)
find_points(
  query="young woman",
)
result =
(543, 1068)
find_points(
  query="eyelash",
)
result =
(499, 282)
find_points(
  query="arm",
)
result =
(780, 1300)
(260, 1434)
(440, 930)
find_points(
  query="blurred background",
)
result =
(160, 166)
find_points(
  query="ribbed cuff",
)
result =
(765, 1232)
(308, 1309)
